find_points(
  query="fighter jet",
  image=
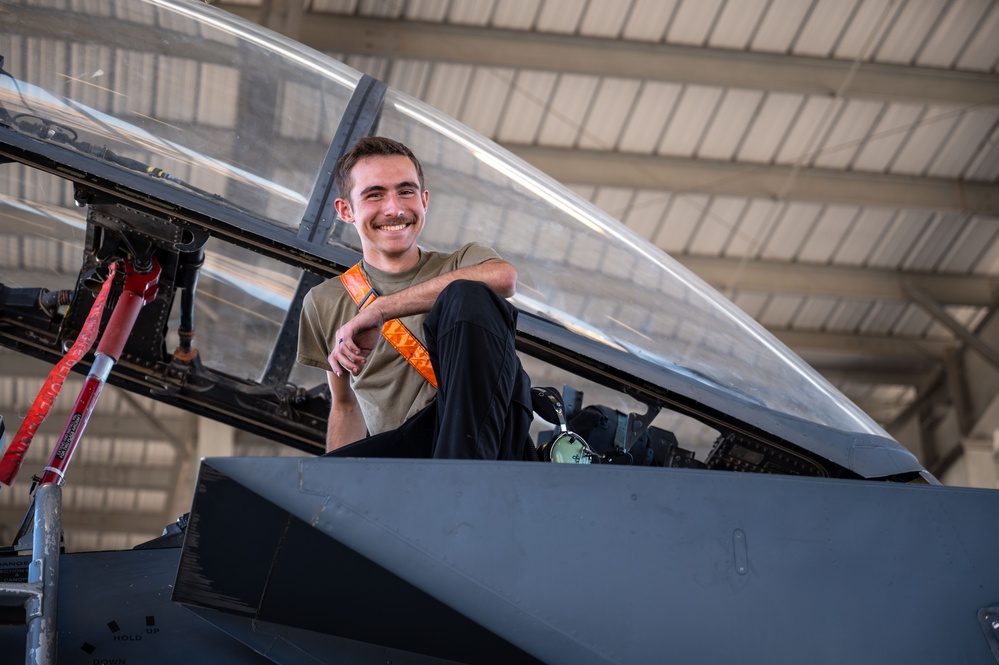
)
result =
(701, 494)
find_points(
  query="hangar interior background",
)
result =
(829, 165)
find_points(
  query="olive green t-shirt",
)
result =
(388, 389)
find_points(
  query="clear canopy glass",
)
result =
(214, 103)
(587, 271)
(239, 115)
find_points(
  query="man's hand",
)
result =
(357, 338)
(355, 341)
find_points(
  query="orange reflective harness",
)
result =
(405, 342)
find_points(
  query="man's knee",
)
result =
(467, 300)
(466, 289)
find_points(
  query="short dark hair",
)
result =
(369, 146)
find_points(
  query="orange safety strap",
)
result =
(13, 457)
(394, 331)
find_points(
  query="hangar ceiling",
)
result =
(830, 165)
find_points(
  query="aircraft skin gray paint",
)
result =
(580, 565)
(115, 609)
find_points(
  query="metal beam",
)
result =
(872, 376)
(491, 47)
(40, 277)
(957, 389)
(842, 281)
(284, 16)
(103, 424)
(118, 475)
(120, 522)
(678, 175)
(838, 367)
(864, 369)
(940, 314)
(878, 346)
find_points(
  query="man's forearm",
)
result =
(346, 425)
(498, 275)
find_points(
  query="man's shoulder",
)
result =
(470, 254)
(332, 285)
(478, 252)
(326, 294)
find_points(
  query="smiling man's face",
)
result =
(388, 208)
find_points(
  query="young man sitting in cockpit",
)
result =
(446, 381)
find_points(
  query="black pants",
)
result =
(483, 405)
